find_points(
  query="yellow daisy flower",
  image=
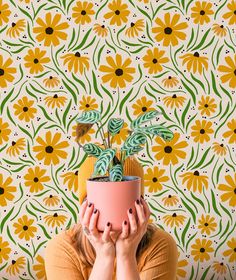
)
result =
(229, 190)
(82, 12)
(229, 70)
(219, 30)
(195, 181)
(201, 249)
(51, 200)
(201, 12)
(207, 224)
(4, 131)
(6, 71)
(24, 228)
(6, 191)
(4, 12)
(219, 149)
(201, 131)
(207, 105)
(118, 73)
(101, 30)
(50, 30)
(174, 220)
(39, 268)
(220, 268)
(118, 14)
(55, 220)
(71, 180)
(170, 81)
(24, 109)
(35, 179)
(169, 151)
(76, 62)
(232, 251)
(55, 100)
(51, 150)
(35, 60)
(169, 31)
(231, 15)
(134, 28)
(51, 82)
(142, 105)
(170, 200)
(153, 178)
(15, 266)
(231, 133)
(15, 147)
(153, 60)
(174, 101)
(5, 250)
(16, 28)
(88, 103)
(181, 273)
(195, 62)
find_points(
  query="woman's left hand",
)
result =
(132, 233)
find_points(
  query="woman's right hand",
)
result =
(101, 241)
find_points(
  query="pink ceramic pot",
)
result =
(113, 199)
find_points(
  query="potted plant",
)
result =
(114, 194)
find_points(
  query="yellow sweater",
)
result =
(157, 262)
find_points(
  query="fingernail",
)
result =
(130, 210)
(108, 224)
(125, 222)
(95, 211)
(137, 201)
(90, 204)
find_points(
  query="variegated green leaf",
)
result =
(135, 139)
(131, 151)
(116, 173)
(147, 116)
(157, 130)
(115, 125)
(103, 161)
(91, 116)
(92, 150)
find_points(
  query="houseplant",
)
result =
(114, 194)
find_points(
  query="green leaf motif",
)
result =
(144, 118)
(131, 151)
(92, 150)
(115, 125)
(91, 116)
(134, 139)
(103, 161)
(116, 173)
(158, 130)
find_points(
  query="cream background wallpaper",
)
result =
(59, 58)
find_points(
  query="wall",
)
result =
(58, 58)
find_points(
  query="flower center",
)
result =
(13, 262)
(206, 105)
(174, 215)
(76, 172)
(206, 224)
(196, 54)
(103, 26)
(202, 250)
(174, 96)
(50, 196)
(222, 26)
(25, 227)
(196, 173)
(117, 12)
(55, 96)
(36, 61)
(222, 145)
(169, 196)
(77, 54)
(132, 24)
(144, 109)
(13, 143)
(36, 179)
(1, 72)
(235, 190)
(50, 77)
(168, 30)
(235, 72)
(169, 77)
(235, 130)
(83, 12)
(154, 60)
(49, 30)
(202, 131)
(1, 190)
(168, 149)
(202, 13)
(55, 215)
(154, 179)
(119, 72)
(13, 24)
(221, 263)
(49, 149)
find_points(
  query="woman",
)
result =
(140, 251)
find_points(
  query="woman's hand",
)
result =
(127, 242)
(101, 241)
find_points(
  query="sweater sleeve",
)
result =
(161, 260)
(60, 261)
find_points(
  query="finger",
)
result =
(132, 221)
(87, 215)
(82, 210)
(147, 211)
(140, 212)
(125, 230)
(93, 223)
(106, 234)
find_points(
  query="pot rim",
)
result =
(126, 177)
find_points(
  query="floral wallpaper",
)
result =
(59, 58)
